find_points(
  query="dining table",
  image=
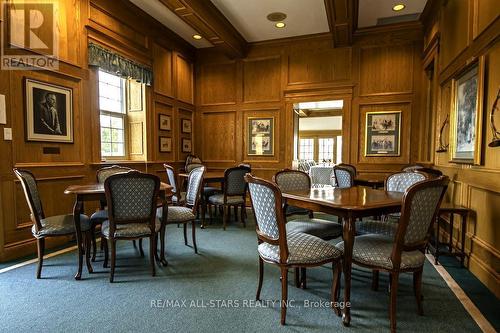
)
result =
(216, 176)
(96, 192)
(373, 181)
(349, 204)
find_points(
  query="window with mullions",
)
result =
(306, 149)
(113, 115)
(325, 149)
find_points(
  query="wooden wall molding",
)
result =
(341, 17)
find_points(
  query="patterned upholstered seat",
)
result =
(60, 225)
(386, 228)
(303, 248)
(323, 229)
(130, 229)
(218, 199)
(177, 214)
(293, 180)
(376, 250)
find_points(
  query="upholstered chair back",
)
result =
(132, 196)
(343, 177)
(30, 188)
(192, 166)
(171, 177)
(103, 173)
(292, 180)
(234, 181)
(420, 205)
(349, 167)
(195, 181)
(412, 167)
(401, 181)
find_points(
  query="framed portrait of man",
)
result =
(49, 112)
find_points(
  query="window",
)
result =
(113, 115)
(306, 149)
(325, 150)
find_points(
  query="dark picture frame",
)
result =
(49, 112)
(186, 145)
(260, 136)
(383, 133)
(165, 144)
(164, 122)
(186, 126)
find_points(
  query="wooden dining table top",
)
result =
(208, 175)
(353, 198)
(98, 188)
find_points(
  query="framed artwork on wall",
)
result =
(383, 133)
(260, 138)
(186, 126)
(466, 117)
(49, 112)
(186, 146)
(165, 122)
(165, 144)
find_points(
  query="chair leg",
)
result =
(184, 225)
(88, 238)
(375, 275)
(261, 276)
(94, 243)
(394, 295)
(141, 251)
(243, 216)
(40, 242)
(311, 214)
(210, 214)
(284, 293)
(235, 213)
(135, 244)
(297, 277)
(162, 244)
(337, 272)
(224, 217)
(152, 251)
(417, 288)
(113, 260)
(106, 252)
(193, 231)
(303, 278)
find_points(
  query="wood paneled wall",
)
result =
(464, 30)
(112, 24)
(379, 72)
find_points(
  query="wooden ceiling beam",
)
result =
(342, 15)
(211, 24)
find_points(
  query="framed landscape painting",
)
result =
(186, 146)
(466, 114)
(165, 144)
(260, 138)
(165, 122)
(383, 133)
(186, 126)
(49, 112)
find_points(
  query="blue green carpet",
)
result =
(224, 271)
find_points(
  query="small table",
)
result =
(350, 204)
(370, 181)
(208, 177)
(452, 210)
(96, 192)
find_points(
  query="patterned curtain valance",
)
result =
(116, 64)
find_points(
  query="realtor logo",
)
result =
(30, 37)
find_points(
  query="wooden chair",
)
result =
(412, 167)
(283, 249)
(53, 226)
(233, 194)
(178, 197)
(132, 202)
(344, 176)
(405, 251)
(183, 214)
(350, 167)
(102, 214)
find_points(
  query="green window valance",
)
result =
(114, 63)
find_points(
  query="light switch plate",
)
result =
(7, 134)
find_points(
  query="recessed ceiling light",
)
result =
(197, 37)
(280, 25)
(276, 17)
(398, 7)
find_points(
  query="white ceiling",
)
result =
(320, 123)
(249, 17)
(162, 14)
(371, 10)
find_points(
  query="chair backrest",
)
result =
(234, 180)
(192, 159)
(171, 177)
(132, 198)
(292, 180)
(193, 192)
(420, 205)
(30, 188)
(412, 167)
(343, 177)
(349, 167)
(247, 165)
(192, 166)
(401, 181)
(431, 172)
(269, 216)
(103, 173)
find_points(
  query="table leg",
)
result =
(77, 209)
(464, 226)
(163, 230)
(436, 247)
(348, 235)
(450, 240)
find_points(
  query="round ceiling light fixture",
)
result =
(197, 37)
(398, 7)
(280, 25)
(276, 17)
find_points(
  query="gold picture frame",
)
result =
(383, 133)
(466, 117)
(260, 136)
